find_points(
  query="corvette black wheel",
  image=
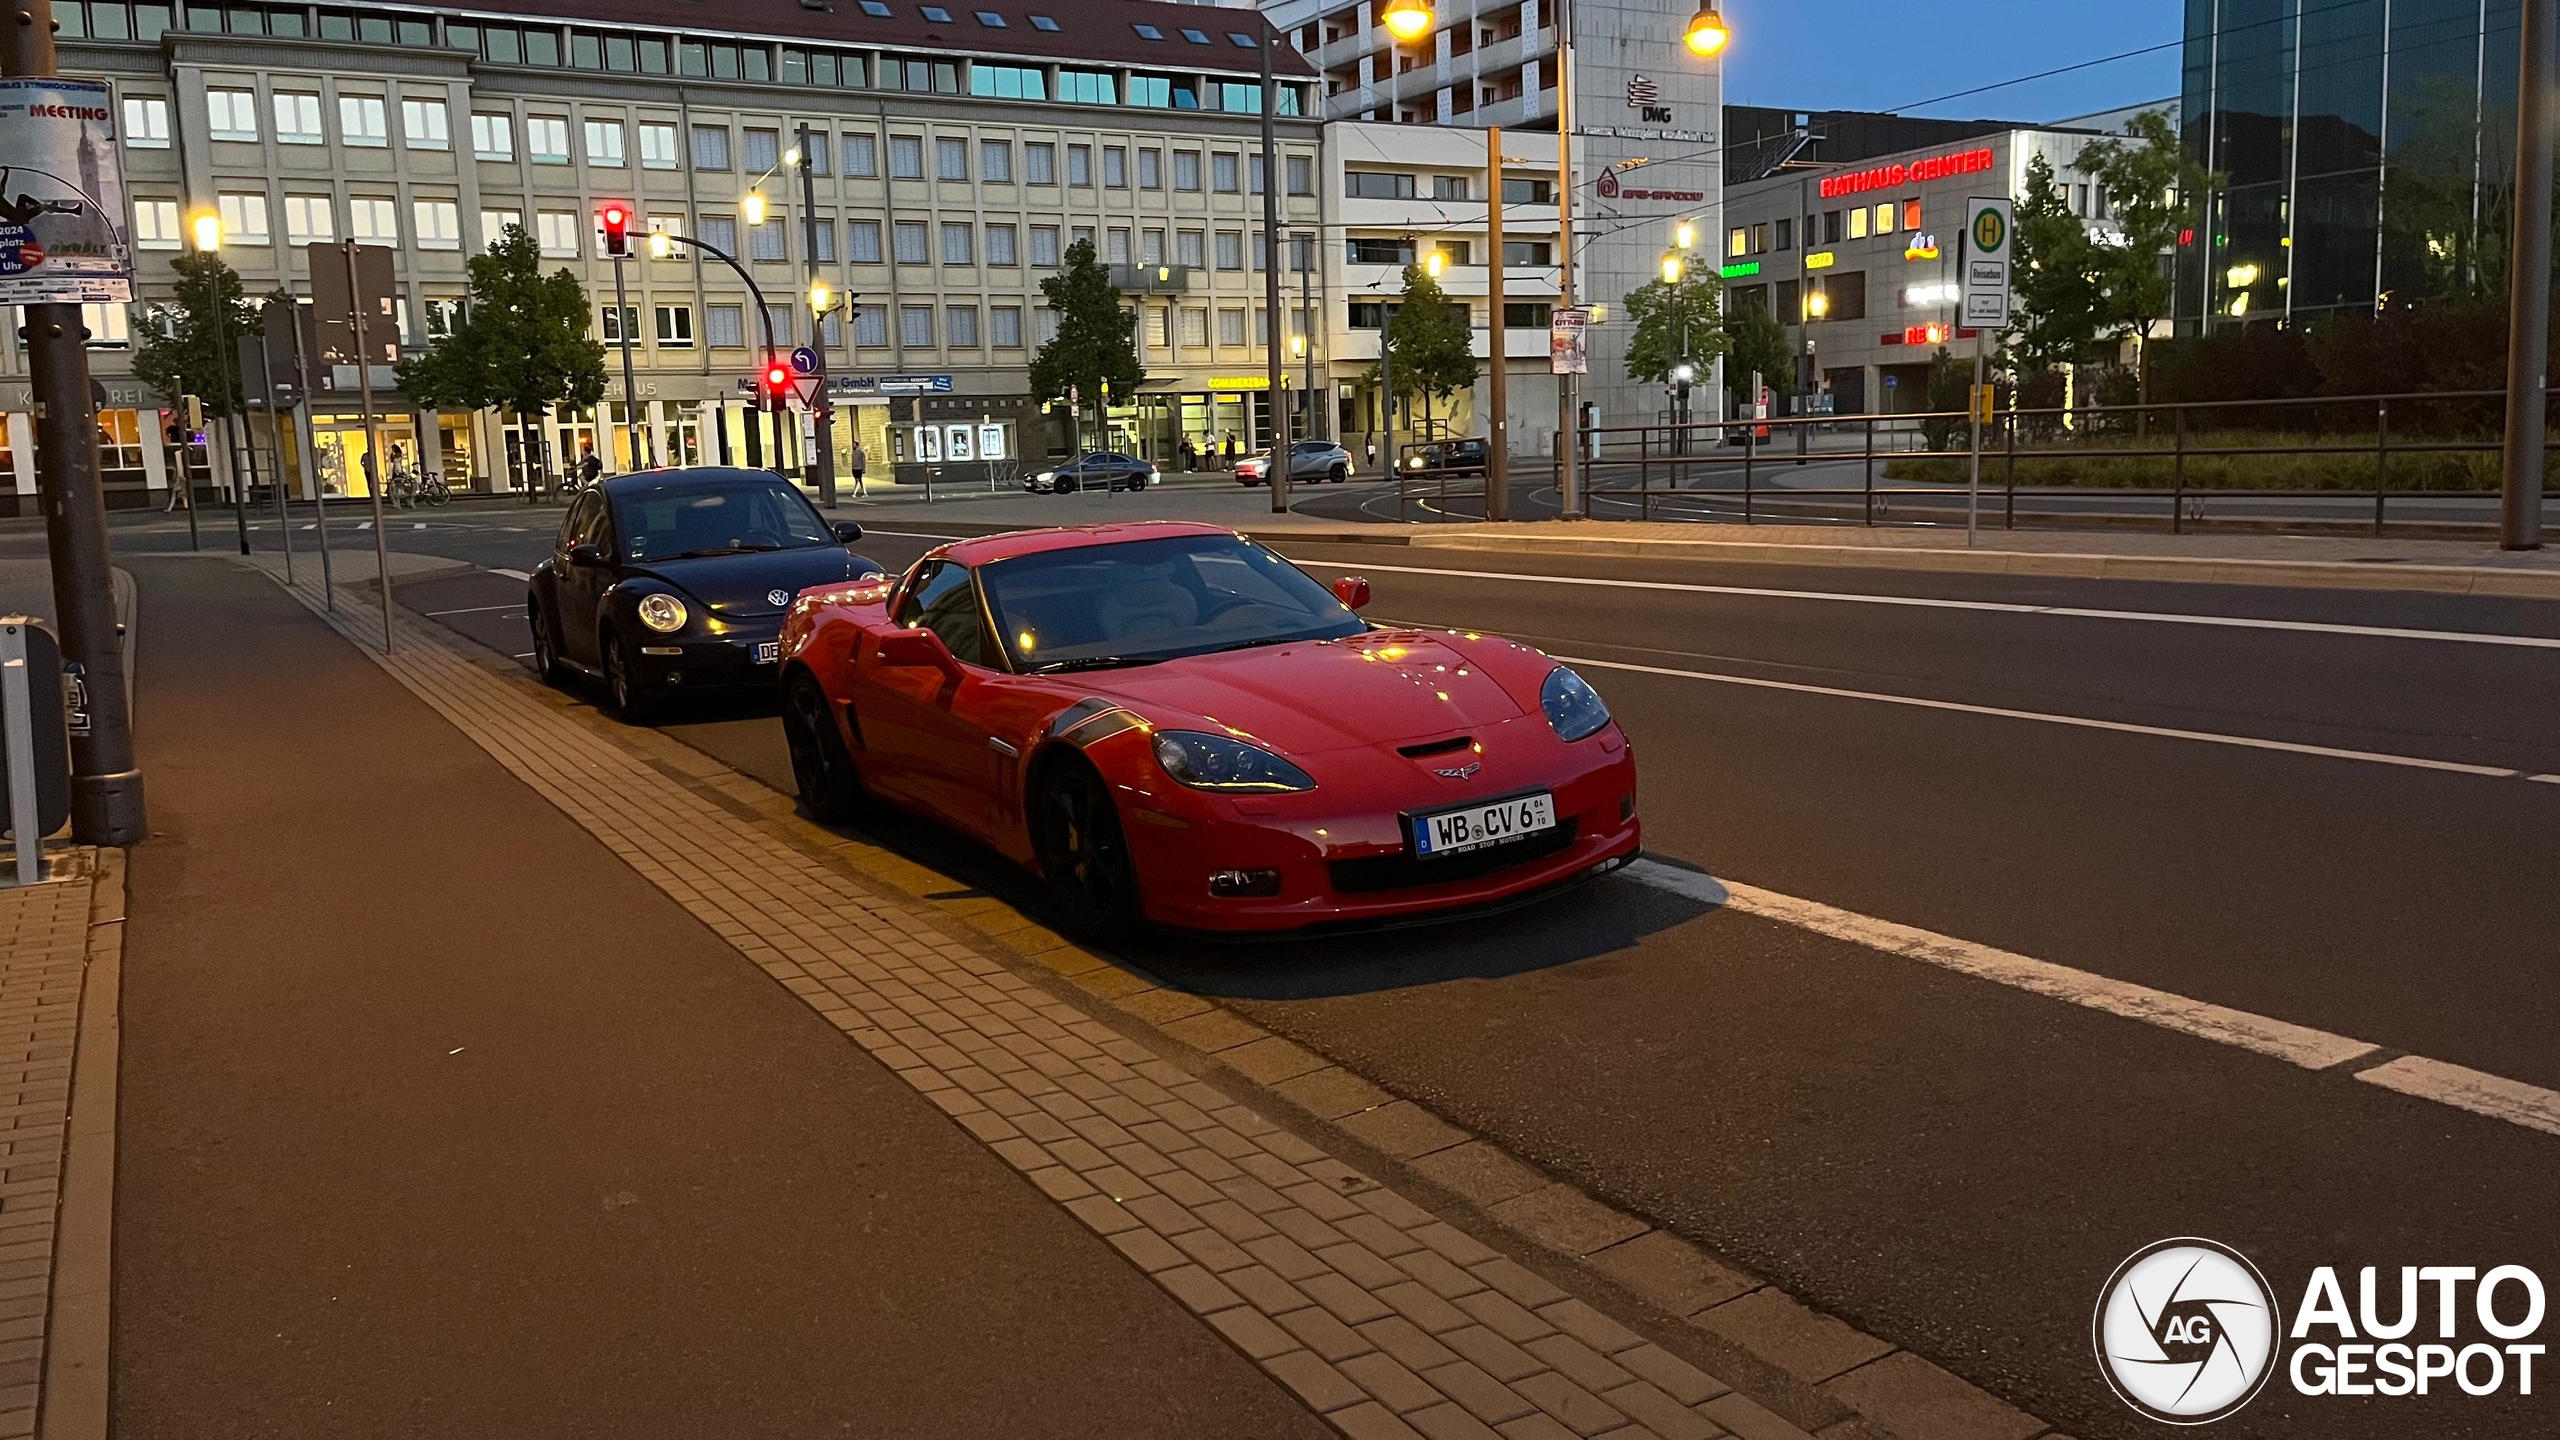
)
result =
(821, 767)
(1084, 853)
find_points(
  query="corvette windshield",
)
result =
(726, 516)
(1149, 600)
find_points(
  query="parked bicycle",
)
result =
(431, 489)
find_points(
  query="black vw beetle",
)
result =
(668, 582)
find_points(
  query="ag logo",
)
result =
(1990, 232)
(2186, 1330)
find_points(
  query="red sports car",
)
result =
(1174, 726)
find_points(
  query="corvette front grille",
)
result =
(1404, 872)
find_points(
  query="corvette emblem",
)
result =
(778, 597)
(1463, 772)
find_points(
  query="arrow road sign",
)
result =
(804, 361)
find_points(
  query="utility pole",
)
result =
(106, 789)
(1497, 446)
(820, 409)
(1276, 472)
(1569, 461)
(624, 322)
(2529, 291)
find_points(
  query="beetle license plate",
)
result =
(769, 652)
(1447, 832)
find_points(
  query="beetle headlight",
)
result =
(1219, 762)
(662, 613)
(1572, 706)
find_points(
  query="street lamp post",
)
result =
(663, 242)
(617, 244)
(752, 207)
(2529, 292)
(821, 301)
(208, 237)
(1276, 470)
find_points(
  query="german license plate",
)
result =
(769, 652)
(1446, 832)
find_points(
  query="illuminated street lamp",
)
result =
(791, 158)
(660, 247)
(753, 205)
(1817, 304)
(1707, 33)
(1685, 235)
(1671, 267)
(208, 232)
(1408, 19)
(208, 237)
(1433, 263)
(822, 297)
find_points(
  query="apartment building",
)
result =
(954, 154)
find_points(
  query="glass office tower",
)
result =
(2365, 149)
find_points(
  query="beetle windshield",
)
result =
(1147, 600)
(681, 517)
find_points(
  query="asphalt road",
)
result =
(1949, 1163)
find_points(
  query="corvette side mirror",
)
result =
(1352, 591)
(847, 532)
(919, 647)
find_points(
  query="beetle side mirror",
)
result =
(1352, 591)
(919, 648)
(586, 554)
(847, 532)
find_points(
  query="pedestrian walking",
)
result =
(404, 490)
(182, 493)
(859, 461)
(590, 469)
(1190, 455)
(372, 474)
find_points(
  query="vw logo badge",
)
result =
(2186, 1331)
(778, 597)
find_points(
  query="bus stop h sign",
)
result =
(1990, 232)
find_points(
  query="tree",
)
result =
(2056, 278)
(1683, 321)
(1429, 342)
(1757, 344)
(521, 343)
(2154, 194)
(1950, 400)
(1097, 341)
(184, 354)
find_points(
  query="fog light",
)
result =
(1244, 882)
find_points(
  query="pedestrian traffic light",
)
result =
(777, 381)
(195, 413)
(617, 230)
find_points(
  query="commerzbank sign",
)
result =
(1887, 177)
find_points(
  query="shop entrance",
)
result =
(341, 442)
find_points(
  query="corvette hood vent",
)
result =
(1382, 688)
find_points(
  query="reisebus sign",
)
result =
(62, 204)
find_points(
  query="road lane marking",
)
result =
(472, 610)
(2083, 722)
(2297, 1044)
(2459, 1086)
(1994, 607)
(510, 574)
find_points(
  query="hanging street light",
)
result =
(208, 231)
(1671, 268)
(753, 205)
(1685, 234)
(1707, 33)
(1408, 19)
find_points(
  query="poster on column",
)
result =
(62, 206)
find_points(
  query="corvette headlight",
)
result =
(1218, 762)
(1572, 706)
(662, 613)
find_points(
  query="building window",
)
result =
(1222, 173)
(146, 122)
(232, 113)
(1526, 314)
(442, 316)
(1368, 250)
(1302, 175)
(1858, 223)
(1000, 246)
(1044, 245)
(862, 241)
(915, 326)
(906, 157)
(710, 147)
(1188, 249)
(110, 327)
(1786, 239)
(871, 327)
(1150, 168)
(1528, 252)
(1195, 327)
(725, 327)
(1151, 246)
(616, 321)
(1379, 185)
(675, 327)
(493, 137)
(1080, 165)
(1448, 187)
(438, 222)
(1528, 192)
(961, 326)
(1004, 327)
(1040, 163)
(911, 243)
(604, 143)
(1830, 228)
(375, 218)
(298, 119)
(778, 318)
(822, 241)
(1116, 247)
(546, 139)
(1911, 214)
(1231, 327)
(558, 232)
(959, 243)
(155, 225)
(1884, 218)
(1088, 87)
(763, 150)
(768, 241)
(494, 224)
(1186, 170)
(995, 162)
(1115, 167)
(1760, 239)
(422, 125)
(1008, 82)
(363, 120)
(720, 232)
(657, 146)
(1044, 323)
(1230, 249)
(244, 218)
(861, 158)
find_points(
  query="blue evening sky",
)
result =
(1888, 54)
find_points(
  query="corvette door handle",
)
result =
(1002, 748)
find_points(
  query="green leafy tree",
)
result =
(184, 354)
(1757, 343)
(2056, 278)
(1097, 341)
(1678, 322)
(1950, 392)
(1430, 342)
(521, 343)
(2155, 191)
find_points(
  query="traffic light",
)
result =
(617, 230)
(195, 412)
(777, 381)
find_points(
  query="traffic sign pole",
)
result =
(1982, 257)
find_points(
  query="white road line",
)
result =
(472, 610)
(2459, 1086)
(915, 534)
(510, 574)
(1995, 607)
(2162, 732)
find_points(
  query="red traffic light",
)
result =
(617, 230)
(777, 379)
